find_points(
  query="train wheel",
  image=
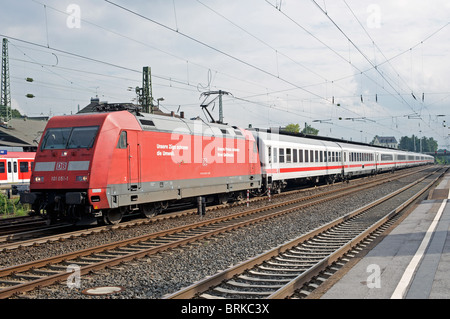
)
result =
(112, 216)
(222, 199)
(149, 210)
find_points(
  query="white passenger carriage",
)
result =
(358, 159)
(291, 158)
(288, 158)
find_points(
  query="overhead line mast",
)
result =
(5, 98)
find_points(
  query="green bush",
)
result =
(12, 207)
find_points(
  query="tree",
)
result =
(310, 130)
(293, 128)
(416, 144)
(15, 113)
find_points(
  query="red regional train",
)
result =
(98, 167)
(16, 167)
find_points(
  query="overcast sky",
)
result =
(352, 69)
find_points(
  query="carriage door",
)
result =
(134, 163)
(12, 170)
(377, 161)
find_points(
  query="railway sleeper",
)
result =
(252, 285)
(272, 263)
(262, 274)
(283, 270)
(297, 261)
(305, 256)
(321, 246)
(320, 239)
(245, 277)
(28, 276)
(8, 283)
(46, 271)
(240, 292)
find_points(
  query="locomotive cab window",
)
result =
(68, 137)
(82, 137)
(122, 143)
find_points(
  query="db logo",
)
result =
(61, 166)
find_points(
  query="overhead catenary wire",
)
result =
(268, 91)
(215, 49)
(366, 58)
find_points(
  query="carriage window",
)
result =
(2, 167)
(275, 156)
(122, 143)
(311, 156)
(321, 156)
(288, 155)
(269, 154)
(300, 156)
(281, 155)
(306, 156)
(294, 156)
(23, 167)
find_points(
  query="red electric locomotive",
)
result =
(102, 166)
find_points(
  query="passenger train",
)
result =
(99, 167)
(16, 167)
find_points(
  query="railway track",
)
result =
(35, 236)
(283, 271)
(26, 277)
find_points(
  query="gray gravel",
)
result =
(153, 277)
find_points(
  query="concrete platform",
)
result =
(412, 262)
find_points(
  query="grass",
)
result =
(12, 207)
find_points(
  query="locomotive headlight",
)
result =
(39, 179)
(83, 178)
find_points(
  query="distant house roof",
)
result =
(22, 132)
(386, 139)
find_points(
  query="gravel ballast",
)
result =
(153, 277)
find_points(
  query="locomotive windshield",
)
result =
(68, 137)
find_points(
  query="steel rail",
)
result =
(288, 289)
(13, 241)
(7, 292)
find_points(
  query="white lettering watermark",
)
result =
(374, 18)
(74, 19)
(74, 280)
(374, 279)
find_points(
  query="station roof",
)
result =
(22, 132)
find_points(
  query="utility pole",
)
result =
(5, 99)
